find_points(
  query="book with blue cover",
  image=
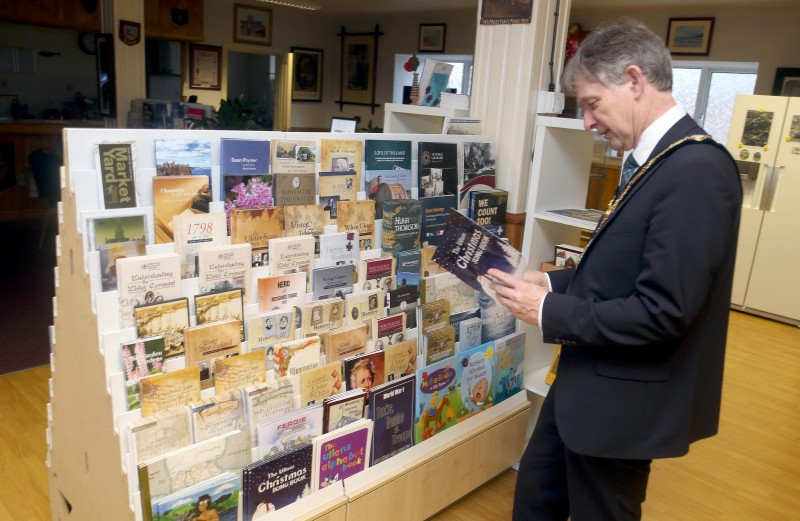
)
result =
(435, 215)
(272, 483)
(183, 157)
(476, 378)
(509, 369)
(391, 408)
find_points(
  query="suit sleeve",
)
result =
(649, 286)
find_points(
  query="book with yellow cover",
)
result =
(292, 255)
(208, 342)
(342, 155)
(400, 359)
(322, 315)
(345, 341)
(320, 383)
(172, 195)
(165, 391)
(166, 319)
(257, 226)
(220, 305)
(217, 415)
(364, 306)
(357, 216)
(269, 327)
(193, 230)
(295, 356)
(304, 219)
(237, 372)
(294, 157)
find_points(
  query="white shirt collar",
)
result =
(653, 134)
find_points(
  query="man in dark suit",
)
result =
(643, 318)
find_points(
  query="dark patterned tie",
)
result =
(628, 168)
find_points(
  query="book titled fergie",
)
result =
(468, 251)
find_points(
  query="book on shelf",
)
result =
(345, 341)
(257, 226)
(145, 280)
(357, 216)
(224, 268)
(457, 318)
(386, 154)
(468, 250)
(435, 214)
(462, 126)
(222, 305)
(305, 219)
(269, 327)
(342, 183)
(333, 281)
(496, 320)
(341, 453)
(451, 100)
(183, 157)
(389, 330)
(162, 392)
(433, 81)
(509, 369)
(166, 319)
(173, 195)
(433, 314)
(342, 155)
(116, 166)
(437, 168)
(476, 378)
(109, 253)
(160, 433)
(191, 231)
(294, 157)
(294, 189)
(488, 208)
(408, 261)
(400, 359)
(439, 343)
(273, 483)
(364, 370)
(404, 300)
(116, 229)
(292, 357)
(427, 266)
(234, 373)
(567, 255)
(469, 333)
(283, 292)
(339, 248)
(292, 255)
(322, 315)
(479, 164)
(217, 415)
(320, 383)
(343, 409)
(209, 342)
(447, 286)
(246, 191)
(269, 399)
(402, 219)
(376, 274)
(391, 409)
(243, 156)
(437, 398)
(220, 495)
(577, 216)
(288, 431)
(141, 358)
(364, 306)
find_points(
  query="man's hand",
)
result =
(522, 297)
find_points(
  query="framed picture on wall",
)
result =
(787, 82)
(205, 67)
(358, 68)
(307, 74)
(689, 36)
(252, 24)
(431, 37)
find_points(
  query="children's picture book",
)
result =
(110, 230)
(402, 221)
(247, 191)
(391, 409)
(146, 280)
(343, 409)
(437, 398)
(333, 281)
(166, 319)
(400, 359)
(288, 431)
(220, 305)
(116, 166)
(345, 341)
(224, 268)
(162, 392)
(267, 400)
(183, 157)
(294, 356)
(468, 251)
(217, 415)
(488, 208)
(283, 292)
(295, 189)
(159, 433)
(435, 214)
(342, 155)
(109, 253)
(257, 226)
(232, 374)
(338, 249)
(320, 383)
(209, 342)
(341, 453)
(173, 195)
(358, 216)
(404, 300)
(476, 378)
(437, 169)
(273, 483)
(322, 315)
(389, 330)
(364, 371)
(219, 495)
(376, 274)
(141, 358)
(479, 166)
(509, 369)
(294, 157)
(292, 255)
(433, 81)
(269, 327)
(192, 231)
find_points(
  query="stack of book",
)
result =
(451, 100)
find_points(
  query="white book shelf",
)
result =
(87, 462)
(415, 119)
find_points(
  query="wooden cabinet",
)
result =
(65, 14)
(162, 19)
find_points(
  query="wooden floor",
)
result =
(750, 471)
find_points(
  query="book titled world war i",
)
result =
(173, 195)
(116, 164)
(345, 341)
(293, 357)
(282, 292)
(165, 391)
(435, 215)
(166, 319)
(377, 274)
(391, 408)
(334, 281)
(209, 342)
(223, 268)
(404, 300)
(247, 191)
(400, 359)
(257, 226)
(292, 255)
(295, 189)
(342, 155)
(402, 221)
(141, 358)
(192, 231)
(322, 315)
(320, 383)
(479, 161)
(509, 369)
(267, 400)
(159, 433)
(338, 249)
(437, 169)
(364, 306)
(146, 280)
(389, 330)
(358, 216)
(273, 483)
(477, 378)
(488, 208)
(343, 409)
(468, 251)
(269, 327)
(294, 157)
(304, 220)
(217, 415)
(232, 374)
(341, 453)
(182, 157)
(109, 253)
(220, 305)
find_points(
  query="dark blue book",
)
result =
(437, 169)
(509, 368)
(273, 483)
(435, 215)
(243, 157)
(408, 261)
(391, 409)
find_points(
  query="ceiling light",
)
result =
(300, 4)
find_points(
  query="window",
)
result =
(707, 90)
(460, 78)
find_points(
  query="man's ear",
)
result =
(636, 79)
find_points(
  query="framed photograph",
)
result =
(205, 67)
(359, 57)
(307, 74)
(252, 24)
(787, 82)
(689, 36)
(431, 37)
(501, 12)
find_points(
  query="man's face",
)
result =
(609, 111)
